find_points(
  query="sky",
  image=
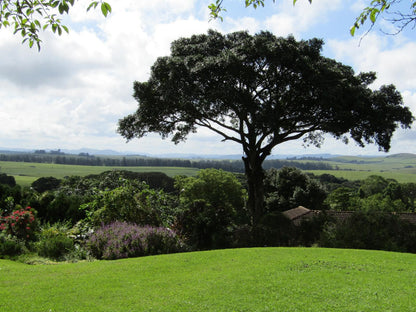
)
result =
(72, 93)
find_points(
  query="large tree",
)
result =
(261, 91)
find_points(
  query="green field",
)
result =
(26, 173)
(256, 279)
(354, 175)
(401, 167)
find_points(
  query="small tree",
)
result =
(212, 203)
(289, 188)
(260, 91)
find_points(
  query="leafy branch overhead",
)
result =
(370, 13)
(28, 17)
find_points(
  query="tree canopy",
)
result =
(29, 17)
(260, 91)
(371, 13)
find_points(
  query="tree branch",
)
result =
(209, 126)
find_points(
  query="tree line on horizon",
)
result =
(235, 165)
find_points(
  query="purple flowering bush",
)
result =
(123, 240)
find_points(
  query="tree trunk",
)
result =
(255, 177)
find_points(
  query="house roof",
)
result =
(295, 213)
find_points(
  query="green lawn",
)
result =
(257, 279)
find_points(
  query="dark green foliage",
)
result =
(9, 197)
(374, 193)
(54, 241)
(331, 182)
(409, 193)
(370, 230)
(132, 202)
(343, 198)
(211, 203)
(11, 246)
(45, 184)
(7, 180)
(64, 207)
(289, 188)
(275, 230)
(310, 230)
(155, 180)
(372, 185)
(55, 247)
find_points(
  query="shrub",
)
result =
(20, 223)
(274, 230)
(122, 240)
(309, 231)
(10, 246)
(55, 247)
(370, 230)
(54, 242)
(64, 207)
(132, 202)
(45, 184)
(211, 206)
(289, 187)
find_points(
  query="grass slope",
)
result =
(257, 279)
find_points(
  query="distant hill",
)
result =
(107, 152)
(402, 155)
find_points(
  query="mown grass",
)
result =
(26, 173)
(257, 279)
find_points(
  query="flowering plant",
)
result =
(20, 223)
(122, 240)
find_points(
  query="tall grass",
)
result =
(257, 279)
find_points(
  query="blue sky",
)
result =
(72, 93)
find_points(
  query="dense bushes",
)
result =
(11, 246)
(122, 240)
(211, 206)
(54, 242)
(373, 193)
(122, 216)
(370, 230)
(288, 188)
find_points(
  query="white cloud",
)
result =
(73, 92)
(297, 19)
(164, 34)
(393, 64)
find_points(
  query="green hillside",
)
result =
(256, 279)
